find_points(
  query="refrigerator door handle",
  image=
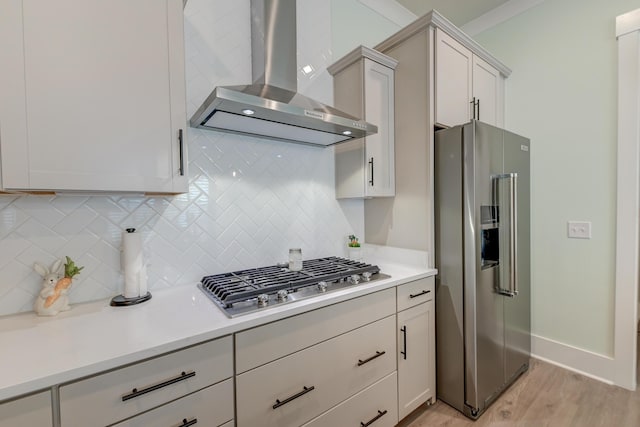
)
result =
(512, 179)
(513, 234)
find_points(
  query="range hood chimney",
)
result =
(271, 107)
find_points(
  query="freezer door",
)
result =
(484, 309)
(517, 309)
(449, 256)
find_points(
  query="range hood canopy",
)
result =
(271, 107)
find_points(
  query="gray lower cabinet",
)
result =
(374, 406)
(33, 410)
(365, 361)
(194, 372)
(416, 345)
(293, 389)
(212, 406)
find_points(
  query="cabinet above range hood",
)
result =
(271, 107)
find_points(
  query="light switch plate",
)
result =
(579, 229)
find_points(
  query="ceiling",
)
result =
(459, 12)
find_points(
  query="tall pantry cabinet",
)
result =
(93, 96)
(434, 87)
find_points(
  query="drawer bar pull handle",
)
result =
(375, 356)
(374, 419)
(304, 391)
(186, 423)
(404, 342)
(135, 392)
(418, 294)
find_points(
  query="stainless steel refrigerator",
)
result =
(483, 293)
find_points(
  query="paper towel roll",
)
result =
(142, 280)
(132, 263)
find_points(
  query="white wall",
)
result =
(562, 94)
(249, 200)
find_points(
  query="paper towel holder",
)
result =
(120, 300)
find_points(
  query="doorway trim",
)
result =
(628, 200)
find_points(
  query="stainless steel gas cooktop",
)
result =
(245, 291)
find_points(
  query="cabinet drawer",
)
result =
(416, 292)
(377, 405)
(212, 406)
(34, 410)
(110, 397)
(263, 344)
(331, 372)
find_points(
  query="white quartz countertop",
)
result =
(39, 352)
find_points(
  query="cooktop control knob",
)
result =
(322, 286)
(366, 276)
(263, 300)
(355, 279)
(282, 295)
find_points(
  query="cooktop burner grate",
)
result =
(243, 287)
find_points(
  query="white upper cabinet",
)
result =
(488, 90)
(364, 88)
(454, 64)
(378, 101)
(93, 96)
(467, 87)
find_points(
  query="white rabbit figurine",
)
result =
(49, 280)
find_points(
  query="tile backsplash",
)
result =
(249, 200)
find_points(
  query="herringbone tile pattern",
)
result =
(249, 200)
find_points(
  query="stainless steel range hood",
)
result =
(271, 107)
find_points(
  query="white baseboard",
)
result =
(583, 362)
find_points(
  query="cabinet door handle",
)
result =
(418, 294)
(478, 104)
(404, 341)
(181, 144)
(304, 391)
(371, 170)
(374, 419)
(136, 393)
(375, 356)
(473, 107)
(186, 423)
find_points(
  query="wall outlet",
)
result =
(579, 229)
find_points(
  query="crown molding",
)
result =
(435, 19)
(358, 53)
(628, 23)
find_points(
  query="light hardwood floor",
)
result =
(546, 395)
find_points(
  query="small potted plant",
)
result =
(354, 248)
